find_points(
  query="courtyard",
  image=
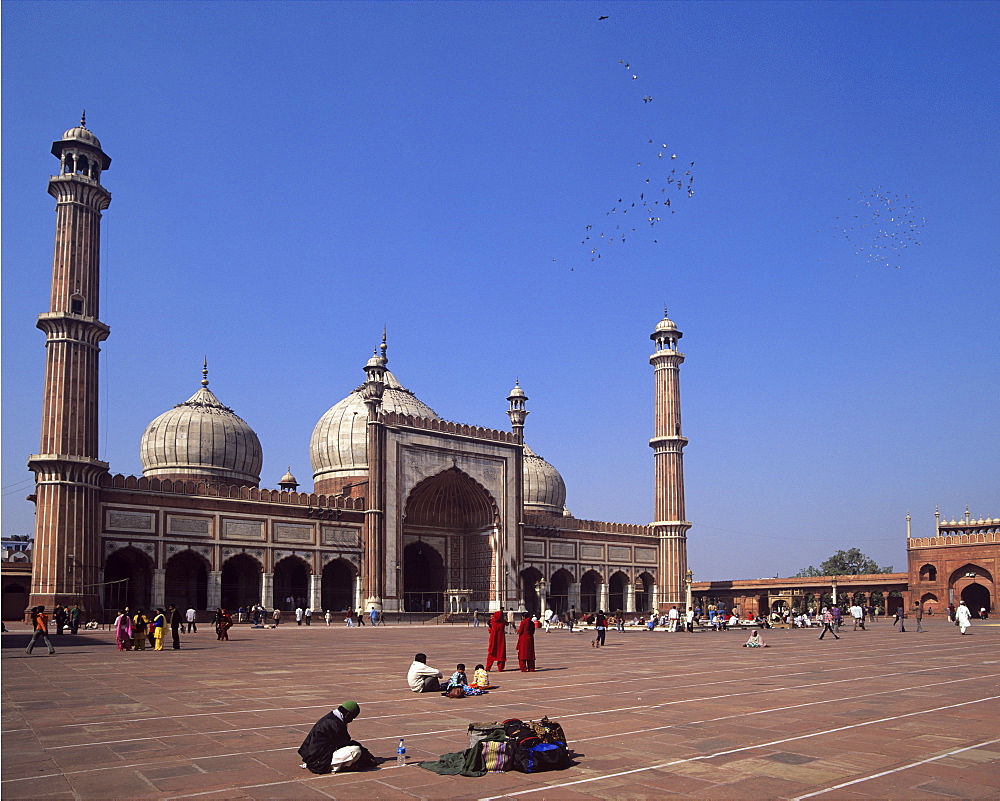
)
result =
(877, 713)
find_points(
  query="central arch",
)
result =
(186, 581)
(454, 509)
(128, 577)
(291, 580)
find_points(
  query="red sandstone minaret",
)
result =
(668, 459)
(67, 558)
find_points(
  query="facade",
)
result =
(409, 512)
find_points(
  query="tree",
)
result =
(844, 563)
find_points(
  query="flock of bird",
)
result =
(661, 183)
(885, 228)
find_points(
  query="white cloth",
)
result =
(344, 757)
(963, 617)
(418, 672)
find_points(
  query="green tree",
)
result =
(845, 563)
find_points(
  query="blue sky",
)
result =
(288, 177)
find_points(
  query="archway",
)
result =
(337, 586)
(291, 580)
(240, 582)
(186, 581)
(928, 573)
(976, 597)
(529, 592)
(644, 593)
(929, 601)
(15, 601)
(559, 591)
(590, 586)
(128, 577)
(451, 504)
(423, 578)
(616, 592)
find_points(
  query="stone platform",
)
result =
(652, 715)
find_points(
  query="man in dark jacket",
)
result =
(328, 746)
(175, 626)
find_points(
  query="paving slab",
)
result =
(671, 715)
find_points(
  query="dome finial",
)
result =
(384, 347)
(204, 372)
(83, 118)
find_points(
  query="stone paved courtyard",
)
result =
(874, 714)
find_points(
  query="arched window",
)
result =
(928, 573)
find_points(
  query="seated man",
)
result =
(422, 678)
(328, 747)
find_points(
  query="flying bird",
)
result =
(601, 18)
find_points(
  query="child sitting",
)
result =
(481, 679)
(458, 678)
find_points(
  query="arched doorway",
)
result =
(644, 593)
(423, 578)
(15, 601)
(559, 591)
(240, 582)
(529, 590)
(453, 506)
(291, 580)
(616, 592)
(590, 587)
(976, 597)
(337, 586)
(186, 581)
(128, 577)
(929, 601)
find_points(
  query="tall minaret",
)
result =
(66, 563)
(668, 459)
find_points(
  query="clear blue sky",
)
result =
(288, 177)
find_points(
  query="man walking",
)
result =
(918, 613)
(41, 623)
(190, 616)
(858, 613)
(673, 616)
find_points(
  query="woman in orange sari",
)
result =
(526, 644)
(497, 651)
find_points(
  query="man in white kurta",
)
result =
(963, 617)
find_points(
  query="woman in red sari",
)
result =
(498, 641)
(526, 644)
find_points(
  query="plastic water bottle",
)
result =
(401, 754)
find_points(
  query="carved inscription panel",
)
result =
(619, 553)
(646, 556)
(130, 521)
(177, 524)
(289, 532)
(243, 529)
(340, 537)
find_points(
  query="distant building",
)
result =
(409, 512)
(15, 569)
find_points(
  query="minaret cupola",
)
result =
(517, 413)
(79, 152)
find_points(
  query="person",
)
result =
(361, 616)
(571, 619)
(276, 617)
(299, 614)
(526, 644)
(422, 678)
(828, 624)
(223, 622)
(158, 628)
(139, 624)
(75, 615)
(918, 613)
(858, 614)
(651, 623)
(191, 617)
(601, 627)
(673, 617)
(475, 618)
(547, 620)
(307, 614)
(982, 613)
(328, 617)
(619, 620)
(900, 619)
(175, 626)
(835, 611)
(458, 678)
(755, 641)
(497, 650)
(481, 679)
(349, 617)
(123, 630)
(373, 616)
(689, 619)
(328, 748)
(41, 629)
(60, 614)
(963, 617)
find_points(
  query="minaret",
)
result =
(67, 564)
(668, 459)
(373, 570)
(517, 413)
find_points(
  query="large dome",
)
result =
(544, 488)
(201, 439)
(338, 448)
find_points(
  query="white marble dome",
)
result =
(201, 438)
(338, 447)
(544, 488)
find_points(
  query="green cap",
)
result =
(351, 708)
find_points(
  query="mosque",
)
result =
(408, 512)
